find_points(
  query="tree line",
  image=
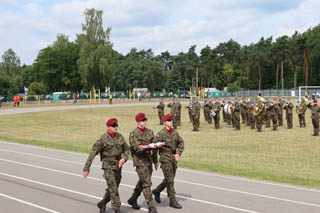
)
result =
(91, 62)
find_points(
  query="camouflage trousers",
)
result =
(144, 184)
(160, 114)
(196, 122)
(169, 172)
(178, 118)
(280, 119)
(289, 119)
(217, 121)
(113, 179)
(190, 116)
(274, 121)
(302, 120)
(259, 122)
(236, 116)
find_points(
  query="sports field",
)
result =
(287, 156)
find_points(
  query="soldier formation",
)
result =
(254, 112)
(145, 149)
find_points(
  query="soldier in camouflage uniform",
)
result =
(114, 153)
(288, 107)
(142, 160)
(236, 114)
(178, 112)
(216, 108)
(315, 110)
(267, 114)
(280, 112)
(173, 112)
(223, 103)
(271, 108)
(206, 110)
(243, 111)
(189, 107)
(301, 110)
(210, 107)
(160, 108)
(196, 114)
(169, 157)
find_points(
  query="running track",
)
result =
(35, 179)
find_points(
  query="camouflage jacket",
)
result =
(237, 107)
(174, 145)
(172, 108)
(196, 109)
(178, 108)
(111, 151)
(288, 108)
(161, 107)
(315, 110)
(272, 109)
(141, 156)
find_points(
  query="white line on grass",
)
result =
(28, 203)
(179, 170)
(68, 173)
(58, 187)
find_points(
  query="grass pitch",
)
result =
(286, 156)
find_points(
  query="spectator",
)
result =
(74, 98)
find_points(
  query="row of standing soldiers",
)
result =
(252, 112)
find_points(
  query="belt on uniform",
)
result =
(112, 158)
(168, 152)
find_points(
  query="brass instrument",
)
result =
(259, 108)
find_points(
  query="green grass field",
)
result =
(286, 156)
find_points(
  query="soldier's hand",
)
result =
(177, 156)
(121, 162)
(85, 174)
(156, 165)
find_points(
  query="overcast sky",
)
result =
(173, 25)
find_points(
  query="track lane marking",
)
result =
(180, 169)
(181, 181)
(101, 180)
(58, 187)
(27, 203)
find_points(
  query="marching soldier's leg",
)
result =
(113, 181)
(159, 189)
(136, 193)
(304, 120)
(248, 120)
(145, 173)
(178, 119)
(290, 121)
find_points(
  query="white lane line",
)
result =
(68, 173)
(28, 203)
(59, 188)
(179, 170)
(181, 181)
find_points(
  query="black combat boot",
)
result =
(133, 203)
(152, 210)
(102, 206)
(116, 211)
(175, 204)
(156, 196)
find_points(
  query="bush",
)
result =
(37, 88)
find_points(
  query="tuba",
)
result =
(259, 107)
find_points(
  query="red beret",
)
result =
(166, 117)
(315, 101)
(140, 117)
(111, 121)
